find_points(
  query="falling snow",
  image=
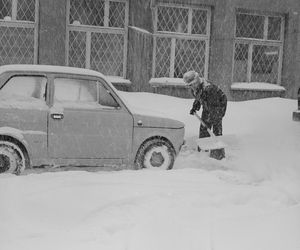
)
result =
(250, 200)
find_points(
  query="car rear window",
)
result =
(25, 87)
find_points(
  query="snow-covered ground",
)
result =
(248, 201)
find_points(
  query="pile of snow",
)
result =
(257, 86)
(166, 81)
(250, 200)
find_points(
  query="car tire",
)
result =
(12, 158)
(155, 154)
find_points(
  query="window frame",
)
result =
(19, 74)
(79, 79)
(15, 23)
(177, 35)
(105, 29)
(251, 42)
(102, 83)
(97, 80)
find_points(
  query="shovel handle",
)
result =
(203, 123)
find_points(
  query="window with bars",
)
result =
(18, 31)
(258, 48)
(181, 40)
(97, 35)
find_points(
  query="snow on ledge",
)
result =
(261, 86)
(166, 81)
(140, 30)
(118, 79)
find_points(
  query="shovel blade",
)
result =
(210, 143)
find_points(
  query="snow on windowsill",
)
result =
(259, 86)
(118, 80)
(166, 81)
(140, 30)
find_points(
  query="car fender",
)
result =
(14, 133)
(141, 134)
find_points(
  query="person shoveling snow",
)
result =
(214, 104)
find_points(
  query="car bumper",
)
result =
(296, 115)
(183, 143)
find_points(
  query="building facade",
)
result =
(250, 48)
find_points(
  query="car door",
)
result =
(23, 106)
(87, 122)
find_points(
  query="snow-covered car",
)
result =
(62, 116)
(296, 113)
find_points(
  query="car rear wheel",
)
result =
(156, 154)
(12, 159)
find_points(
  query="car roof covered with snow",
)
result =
(49, 69)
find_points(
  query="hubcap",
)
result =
(157, 159)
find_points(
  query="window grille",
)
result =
(181, 40)
(258, 48)
(189, 54)
(97, 35)
(18, 31)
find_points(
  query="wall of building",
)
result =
(52, 32)
(296, 86)
(222, 41)
(139, 59)
(291, 10)
(140, 14)
(140, 45)
(221, 47)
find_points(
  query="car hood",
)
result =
(149, 118)
(148, 121)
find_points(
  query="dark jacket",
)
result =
(213, 102)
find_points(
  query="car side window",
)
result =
(25, 87)
(68, 90)
(105, 97)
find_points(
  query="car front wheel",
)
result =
(12, 159)
(156, 154)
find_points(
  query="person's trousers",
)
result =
(217, 129)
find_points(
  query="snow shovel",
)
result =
(209, 143)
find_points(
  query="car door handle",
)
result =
(57, 116)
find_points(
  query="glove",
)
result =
(196, 105)
(192, 111)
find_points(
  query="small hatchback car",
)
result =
(55, 115)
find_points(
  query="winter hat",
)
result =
(190, 77)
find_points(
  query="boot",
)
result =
(217, 154)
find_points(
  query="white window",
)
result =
(18, 31)
(258, 47)
(75, 90)
(181, 40)
(25, 88)
(97, 35)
